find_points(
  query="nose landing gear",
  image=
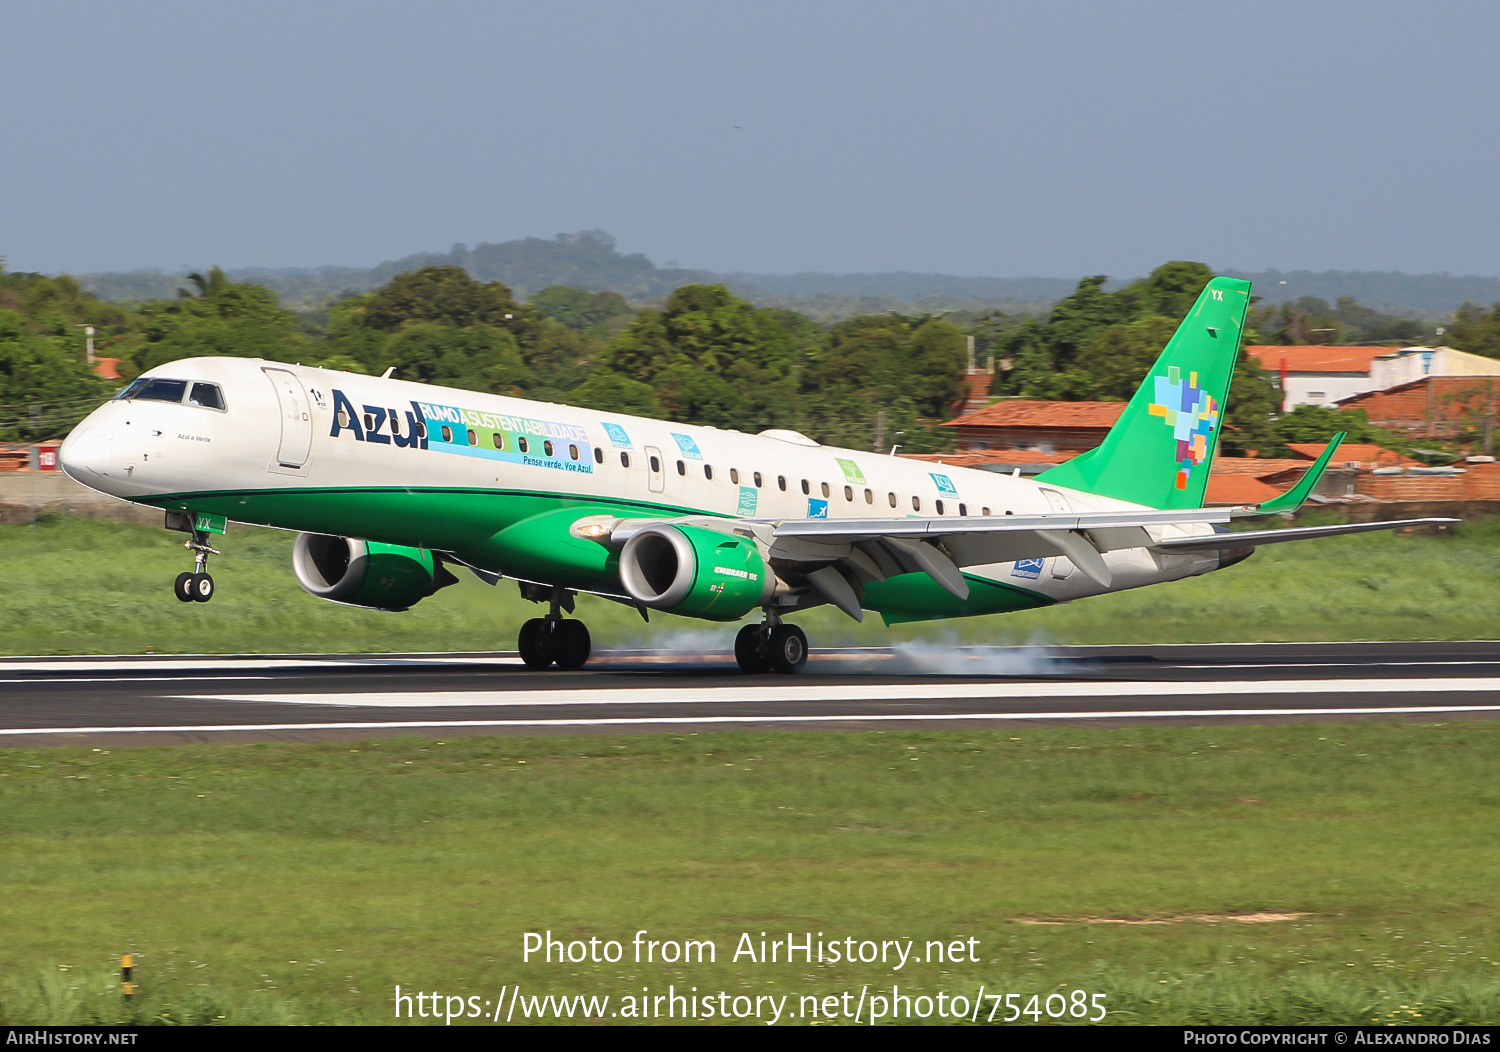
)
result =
(196, 586)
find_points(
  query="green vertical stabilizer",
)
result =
(1161, 449)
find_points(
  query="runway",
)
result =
(161, 700)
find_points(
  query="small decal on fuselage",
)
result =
(618, 436)
(687, 445)
(852, 474)
(1031, 569)
(944, 484)
(817, 509)
(748, 500)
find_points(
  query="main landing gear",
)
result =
(550, 640)
(197, 586)
(771, 647)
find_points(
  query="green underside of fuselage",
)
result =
(525, 535)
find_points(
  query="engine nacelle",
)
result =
(695, 572)
(365, 573)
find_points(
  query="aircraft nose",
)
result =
(85, 454)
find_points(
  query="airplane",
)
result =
(390, 483)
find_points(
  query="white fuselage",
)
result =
(294, 428)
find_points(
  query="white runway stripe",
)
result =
(859, 692)
(1404, 710)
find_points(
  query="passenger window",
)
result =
(849, 493)
(984, 511)
(781, 481)
(572, 452)
(916, 504)
(655, 464)
(206, 395)
(826, 490)
(598, 455)
(547, 447)
(963, 509)
(681, 468)
(521, 443)
(806, 486)
(869, 496)
(757, 480)
(473, 438)
(369, 421)
(447, 433)
(624, 460)
(708, 471)
(498, 439)
(939, 507)
(893, 500)
(734, 476)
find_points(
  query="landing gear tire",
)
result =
(750, 650)
(571, 644)
(535, 644)
(202, 587)
(786, 650)
(183, 588)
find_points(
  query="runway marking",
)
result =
(804, 692)
(1173, 714)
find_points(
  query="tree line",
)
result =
(703, 355)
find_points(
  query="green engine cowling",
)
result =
(365, 573)
(695, 572)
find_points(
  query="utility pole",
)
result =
(88, 342)
(879, 430)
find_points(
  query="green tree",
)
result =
(218, 317)
(713, 358)
(1475, 330)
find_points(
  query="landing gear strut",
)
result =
(772, 646)
(552, 640)
(197, 586)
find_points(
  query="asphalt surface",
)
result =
(164, 700)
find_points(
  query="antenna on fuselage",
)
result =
(387, 374)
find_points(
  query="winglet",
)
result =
(1292, 499)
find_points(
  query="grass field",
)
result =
(1322, 873)
(304, 882)
(80, 586)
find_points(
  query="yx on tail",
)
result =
(1161, 449)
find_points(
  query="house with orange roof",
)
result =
(1043, 427)
(1317, 375)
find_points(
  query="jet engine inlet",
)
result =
(695, 572)
(365, 573)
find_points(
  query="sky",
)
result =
(1000, 139)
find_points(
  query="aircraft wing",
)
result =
(876, 549)
(834, 553)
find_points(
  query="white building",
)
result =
(1319, 375)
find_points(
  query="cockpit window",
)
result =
(156, 390)
(206, 395)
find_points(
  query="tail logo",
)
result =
(1191, 413)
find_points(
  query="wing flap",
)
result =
(1255, 538)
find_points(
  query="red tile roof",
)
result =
(973, 458)
(1237, 489)
(1017, 413)
(1302, 359)
(1254, 467)
(1366, 454)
